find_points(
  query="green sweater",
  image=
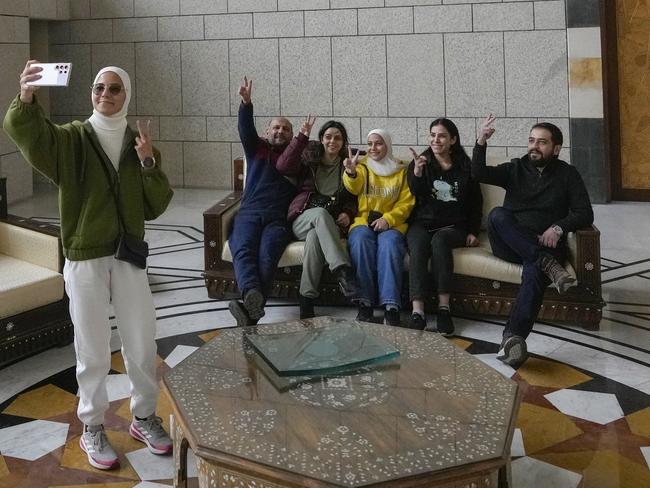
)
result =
(66, 155)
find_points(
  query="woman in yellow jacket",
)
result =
(377, 242)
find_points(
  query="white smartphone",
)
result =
(53, 74)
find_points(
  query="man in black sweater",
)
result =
(545, 199)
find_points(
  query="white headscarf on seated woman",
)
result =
(110, 128)
(387, 165)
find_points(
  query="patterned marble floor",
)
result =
(584, 421)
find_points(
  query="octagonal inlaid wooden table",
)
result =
(435, 416)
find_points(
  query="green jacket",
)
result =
(66, 155)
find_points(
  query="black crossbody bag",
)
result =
(128, 247)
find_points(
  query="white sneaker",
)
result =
(94, 443)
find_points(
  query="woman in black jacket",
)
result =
(447, 214)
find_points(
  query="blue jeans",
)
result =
(378, 259)
(257, 242)
(516, 244)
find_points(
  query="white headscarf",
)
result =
(110, 128)
(387, 165)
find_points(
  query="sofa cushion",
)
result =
(478, 262)
(30, 245)
(25, 286)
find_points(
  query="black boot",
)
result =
(347, 280)
(306, 307)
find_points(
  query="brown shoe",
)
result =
(560, 277)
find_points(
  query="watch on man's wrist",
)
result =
(148, 162)
(557, 229)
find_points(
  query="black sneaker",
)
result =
(560, 277)
(240, 313)
(254, 303)
(391, 317)
(513, 351)
(347, 281)
(306, 307)
(366, 314)
(417, 322)
(444, 322)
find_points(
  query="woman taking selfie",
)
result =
(110, 181)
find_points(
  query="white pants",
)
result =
(91, 286)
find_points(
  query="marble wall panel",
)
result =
(146, 8)
(136, 29)
(550, 14)
(233, 26)
(308, 89)
(510, 132)
(396, 20)
(503, 17)
(110, 8)
(206, 88)
(121, 55)
(400, 3)
(42, 9)
(207, 165)
(331, 23)
(474, 84)
(19, 176)
(403, 131)
(356, 3)
(182, 129)
(63, 9)
(186, 27)
(59, 32)
(79, 9)
(222, 129)
(75, 98)
(203, 7)
(14, 29)
(252, 5)
(443, 18)
(278, 24)
(536, 85)
(356, 95)
(83, 31)
(14, 57)
(171, 154)
(470, 1)
(416, 84)
(158, 68)
(257, 59)
(12, 7)
(303, 4)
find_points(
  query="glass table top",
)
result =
(434, 407)
(322, 350)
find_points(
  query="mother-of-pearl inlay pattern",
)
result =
(435, 407)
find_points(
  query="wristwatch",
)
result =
(557, 229)
(148, 162)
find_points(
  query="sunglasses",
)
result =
(98, 89)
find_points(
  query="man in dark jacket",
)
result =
(545, 199)
(260, 232)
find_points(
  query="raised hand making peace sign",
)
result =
(245, 90)
(420, 163)
(486, 130)
(143, 141)
(350, 163)
(307, 124)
